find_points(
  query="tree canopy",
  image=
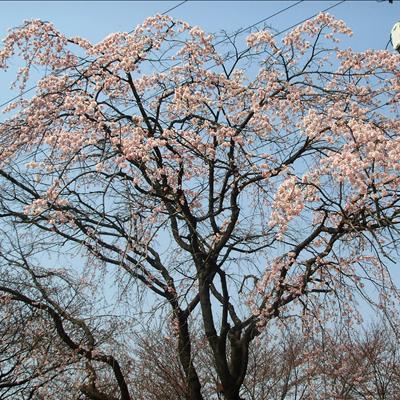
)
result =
(246, 190)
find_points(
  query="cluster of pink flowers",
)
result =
(289, 203)
(258, 39)
(312, 27)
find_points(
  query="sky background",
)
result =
(371, 21)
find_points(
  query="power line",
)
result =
(259, 22)
(172, 8)
(275, 35)
(19, 95)
(306, 19)
(231, 36)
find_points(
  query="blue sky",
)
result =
(371, 21)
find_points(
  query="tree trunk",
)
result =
(232, 394)
(193, 386)
(231, 373)
(237, 365)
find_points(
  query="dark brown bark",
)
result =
(185, 357)
(230, 372)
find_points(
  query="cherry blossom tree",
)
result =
(151, 176)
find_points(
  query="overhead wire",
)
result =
(307, 19)
(171, 9)
(259, 22)
(215, 44)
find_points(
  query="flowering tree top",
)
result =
(269, 192)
